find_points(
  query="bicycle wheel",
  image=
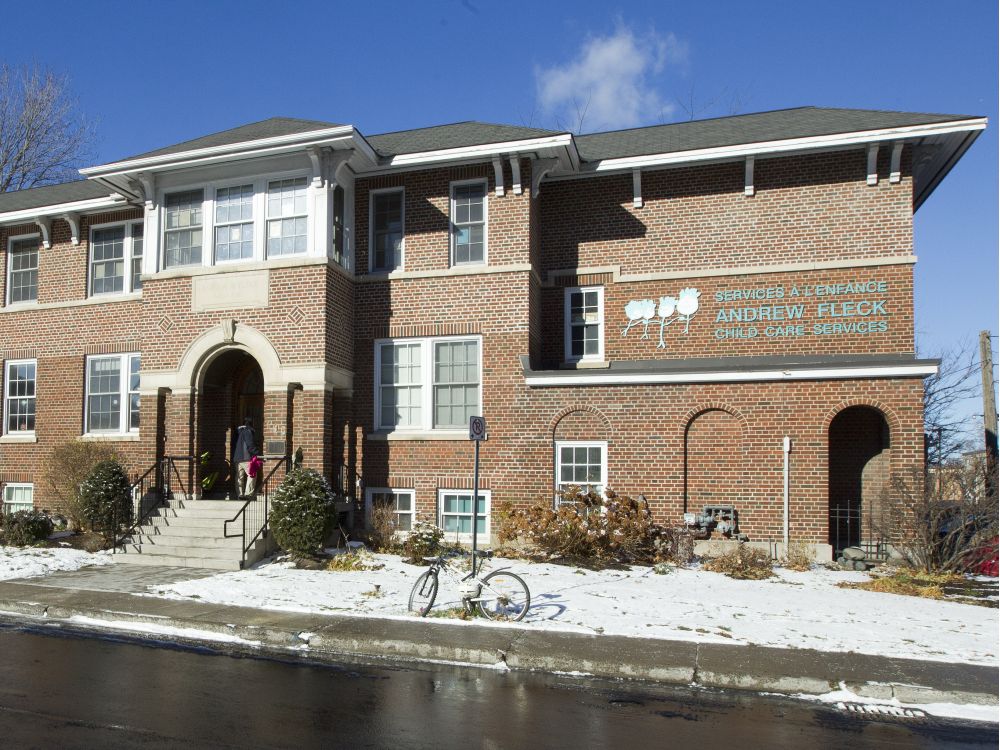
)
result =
(504, 596)
(423, 593)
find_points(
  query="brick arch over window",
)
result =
(715, 460)
(580, 422)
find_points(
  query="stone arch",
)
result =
(580, 419)
(715, 460)
(222, 338)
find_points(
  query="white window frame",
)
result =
(568, 325)
(10, 249)
(486, 221)
(485, 495)
(307, 216)
(128, 257)
(6, 395)
(372, 194)
(124, 422)
(560, 444)
(17, 486)
(426, 384)
(369, 504)
(253, 219)
(209, 187)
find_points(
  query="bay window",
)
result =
(182, 230)
(116, 258)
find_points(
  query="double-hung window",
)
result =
(19, 397)
(183, 228)
(386, 241)
(287, 211)
(468, 223)
(582, 464)
(112, 400)
(401, 502)
(427, 384)
(234, 223)
(584, 329)
(116, 259)
(18, 496)
(455, 514)
(22, 277)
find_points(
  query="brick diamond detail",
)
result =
(165, 324)
(296, 315)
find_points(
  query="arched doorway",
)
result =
(232, 389)
(859, 455)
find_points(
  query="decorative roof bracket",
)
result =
(45, 225)
(897, 152)
(748, 189)
(637, 188)
(873, 164)
(73, 219)
(515, 169)
(336, 161)
(498, 175)
(540, 168)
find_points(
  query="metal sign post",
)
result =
(477, 433)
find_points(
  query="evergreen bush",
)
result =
(424, 541)
(25, 527)
(303, 510)
(105, 499)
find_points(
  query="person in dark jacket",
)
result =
(244, 450)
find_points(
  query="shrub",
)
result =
(105, 499)
(424, 541)
(798, 556)
(742, 562)
(611, 528)
(381, 534)
(25, 527)
(303, 512)
(66, 468)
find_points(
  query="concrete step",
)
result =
(177, 561)
(161, 550)
(225, 505)
(188, 522)
(196, 512)
(214, 531)
(180, 540)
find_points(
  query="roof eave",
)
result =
(562, 142)
(90, 205)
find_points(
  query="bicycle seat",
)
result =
(484, 553)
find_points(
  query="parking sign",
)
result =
(477, 428)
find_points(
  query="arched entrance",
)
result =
(859, 455)
(232, 389)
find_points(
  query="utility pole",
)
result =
(989, 410)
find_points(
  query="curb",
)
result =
(335, 637)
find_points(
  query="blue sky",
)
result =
(158, 73)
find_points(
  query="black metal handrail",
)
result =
(154, 483)
(255, 513)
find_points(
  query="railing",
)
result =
(847, 529)
(151, 490)
(347, 483)
(254, 516)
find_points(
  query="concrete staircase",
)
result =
(190, 534)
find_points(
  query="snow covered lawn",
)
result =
(28, 562)
(792, 610)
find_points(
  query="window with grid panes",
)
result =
(182, 233)
(581, 464)
(19, 396)
(468, 223)
(387, 230)
(456, 382)
(23, 275)
(113, 393)
(107, 260)
(585, 323)
(234, 223)
(455, 514)
(401, 501)
(286, 217)
(138, 242)
(401, 392)
(18, 496)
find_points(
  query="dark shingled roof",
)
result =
(740, 129)
(67, 192)
(456, 135)
(275, 126)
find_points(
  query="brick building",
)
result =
(690, 312)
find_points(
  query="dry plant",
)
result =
(798, 556)
(742, 562)
(381, 533)
(68, 465)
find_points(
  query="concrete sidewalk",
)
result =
(113, 595)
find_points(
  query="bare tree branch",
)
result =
(948, 430)
(43, 137)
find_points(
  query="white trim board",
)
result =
(733, 376)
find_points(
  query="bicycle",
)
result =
(500, 595)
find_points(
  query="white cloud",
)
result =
(610, 84)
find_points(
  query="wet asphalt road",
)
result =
(69, 689)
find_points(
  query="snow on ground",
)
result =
(792, 610)
(28, 562)
(152, 628)
(892, 707)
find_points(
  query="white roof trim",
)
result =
(243, 148)
(809, 143)
(485, 150)
(733, 376)
(114, 200)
